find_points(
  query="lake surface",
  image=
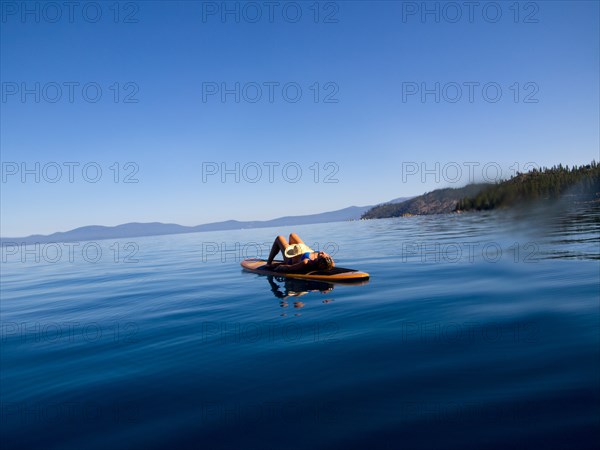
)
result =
(475, 331)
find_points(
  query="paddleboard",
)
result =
(335, 275)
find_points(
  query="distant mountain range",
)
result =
(577, 183)
(545, 183)
(440, 201)
(583, 181)
(134, 229)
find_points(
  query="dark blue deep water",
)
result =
(475, 331)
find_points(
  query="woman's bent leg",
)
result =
(279, 245)
(295, 239)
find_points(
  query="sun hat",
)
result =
(296, 249)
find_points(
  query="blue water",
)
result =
(475, 331)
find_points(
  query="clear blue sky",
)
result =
(368, 55)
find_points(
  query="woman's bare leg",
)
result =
(295, 239)
(279, 245)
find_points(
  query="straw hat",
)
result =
(296, 249)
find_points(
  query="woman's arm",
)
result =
(292, 267)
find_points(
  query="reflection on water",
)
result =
(293, 287)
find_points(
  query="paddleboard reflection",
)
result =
(292, 287)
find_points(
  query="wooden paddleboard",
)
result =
(335, 275)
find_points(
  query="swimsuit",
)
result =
(305, 256)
